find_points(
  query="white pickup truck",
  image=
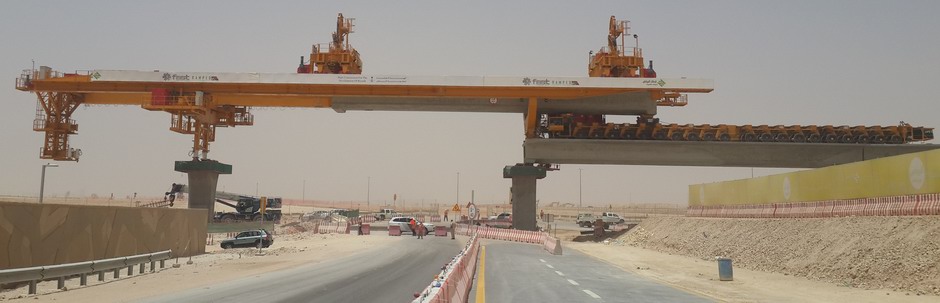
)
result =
(386, 213)
(587, 220)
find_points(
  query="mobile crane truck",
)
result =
(248, 208)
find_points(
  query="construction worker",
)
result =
(421, 230)
(445, 215)
(413, 226)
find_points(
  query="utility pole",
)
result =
(580, 201)
(42, 181)
(458, 188)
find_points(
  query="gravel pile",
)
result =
(899, 253)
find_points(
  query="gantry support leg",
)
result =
(524, 179)
(532, 118)
(204, 133)
(203, 179)
(53, 116)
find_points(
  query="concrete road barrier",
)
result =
(394, 230)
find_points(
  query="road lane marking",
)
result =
(559, 273)
(591, 293)
(550, 266)
(573, 282)
(543, 260)
(481, 290)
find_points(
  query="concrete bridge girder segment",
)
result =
(203, 179)
(719, 154)
(633, 103)
(524, 179)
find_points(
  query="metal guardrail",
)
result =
(62, 271)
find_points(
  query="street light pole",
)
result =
(42, 181)
(580, 201)
(458, 188)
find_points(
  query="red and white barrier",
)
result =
(454, 282)
(394, 230)
(332, 228)
(551, 244)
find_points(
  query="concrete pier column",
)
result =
(524, 179)
(203, 178)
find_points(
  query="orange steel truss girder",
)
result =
(55, 121)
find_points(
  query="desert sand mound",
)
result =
(900, 253)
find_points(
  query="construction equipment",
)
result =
(248, 208)
(613, 61)
(595, 127)
(554, 107)
(338, 58)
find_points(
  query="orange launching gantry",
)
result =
(615, 62)
(554, 107)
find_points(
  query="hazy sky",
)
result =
(773, 62)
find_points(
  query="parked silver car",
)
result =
(249, 238)
(403, 223)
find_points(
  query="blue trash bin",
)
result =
(724, 270)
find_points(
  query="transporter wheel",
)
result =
(894, 139)
(597, 134)
(766, 137)
(813, 138)
(582, 134)
(877, 139)
(659, 136)
(749, 137)
(846, 139)
(862, 139)
(830, 138)
(782, 137)
(724, 137)
(676, 137)
(692, 137)
(613, 134)
(629, 135)
(799, 138)
(708, 137)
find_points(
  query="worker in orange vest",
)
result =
(414, 230)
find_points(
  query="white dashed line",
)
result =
(559, 273)
(591, 293)
(550, 266)
(543, 261)
(573, 282)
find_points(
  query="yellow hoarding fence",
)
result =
(903, 175)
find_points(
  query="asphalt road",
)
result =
(526, 273)
(390, 274)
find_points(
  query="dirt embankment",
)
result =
(899, 253)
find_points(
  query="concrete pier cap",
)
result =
(203, 179)
(524, 177)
